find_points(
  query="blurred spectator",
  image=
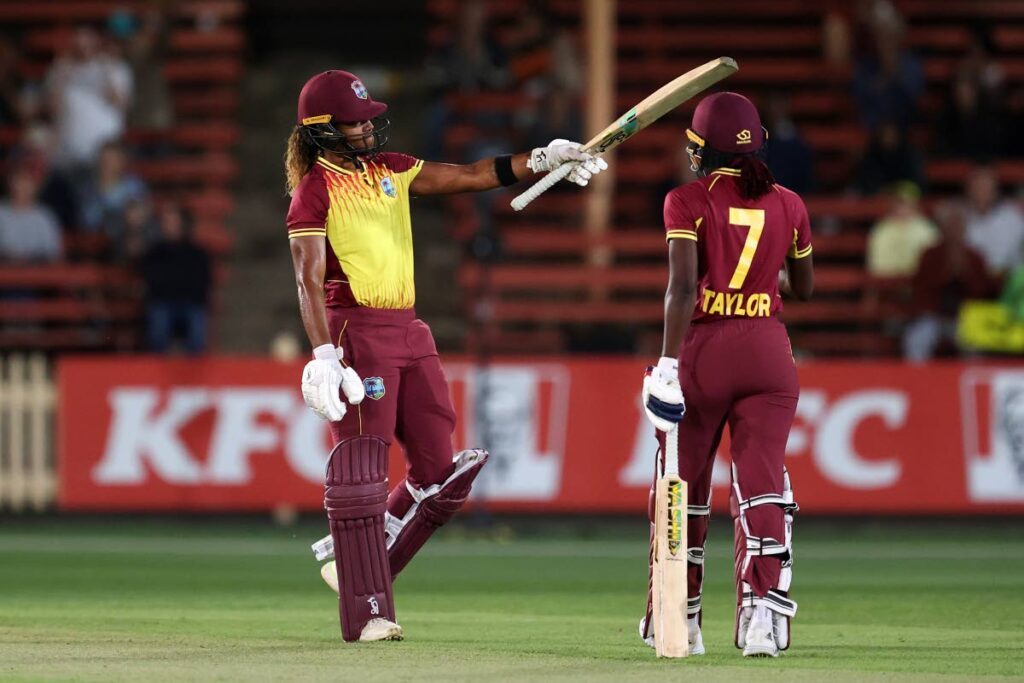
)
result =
(89, 89)
(835, 32)
(788, 156)
(1012, 297)
(473, 60)
(56, 191)
(109, 190)
(973, 120)
(12, 104)
(139, 230)
(546, 68)
(948, 274)
(995, 227)
(145, 45)
(897, 241)
(970, 124)
(888, 79)
(889, 158)
(177, 274)
(980, 67)
(29, 231)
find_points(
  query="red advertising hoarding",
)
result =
(565, 434)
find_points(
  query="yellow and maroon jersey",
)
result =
(364, 216)
(741, 244)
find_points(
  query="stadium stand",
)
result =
(548, 280)
(84, 303)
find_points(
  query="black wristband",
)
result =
(503, 169)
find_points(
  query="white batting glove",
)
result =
(323, 380)
(662, 395)
(560, 152)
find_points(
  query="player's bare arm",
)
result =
(494, 172)
(662, 394)
(309, 259)
(798, 278)
(324, 376)
(439, 178)
(681, 294)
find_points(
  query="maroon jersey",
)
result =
(741, 244)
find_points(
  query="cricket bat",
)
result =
(647, 111)
(671, 636)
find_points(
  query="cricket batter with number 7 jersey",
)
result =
(735, 238)
(351, 241)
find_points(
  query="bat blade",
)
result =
(644, 113)
(669, 571)
(660, 102)
(671, 637)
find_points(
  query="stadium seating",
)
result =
(78, 305)
(554, 275)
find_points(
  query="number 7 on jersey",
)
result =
(753, 219)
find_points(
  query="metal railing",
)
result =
(27, 426)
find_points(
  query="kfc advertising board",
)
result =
(215, 434)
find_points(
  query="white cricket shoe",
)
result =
(760, 637)
(329, 573)
(380, 629)
(692, 631)
(695, 636)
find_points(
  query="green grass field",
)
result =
(204, 600)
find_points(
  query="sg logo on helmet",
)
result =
(359, 89)
(743, 137)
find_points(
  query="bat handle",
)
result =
(672, 452)
(543, 185)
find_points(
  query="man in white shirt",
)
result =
(995, 227)
(89, 91)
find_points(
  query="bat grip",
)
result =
(543, 185)
(672, 452)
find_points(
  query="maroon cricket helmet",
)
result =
(336, 96)
(727, 122)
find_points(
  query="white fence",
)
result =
(27, 433)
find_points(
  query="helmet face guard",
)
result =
(695, 150)
(330, 139)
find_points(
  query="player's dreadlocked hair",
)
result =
(755, 178)
(299, 157)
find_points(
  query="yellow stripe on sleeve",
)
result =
(800, 253)
(681, 234)
(307, 233)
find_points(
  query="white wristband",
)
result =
(325, 352)
(666, 364)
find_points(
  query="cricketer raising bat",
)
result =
(668, 579)
(650, 109)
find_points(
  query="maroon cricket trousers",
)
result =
(737, 372)
(406, 391)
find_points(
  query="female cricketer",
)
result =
(735, 239)
(351, 242)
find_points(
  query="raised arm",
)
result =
(437, 178)
(494, 172)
